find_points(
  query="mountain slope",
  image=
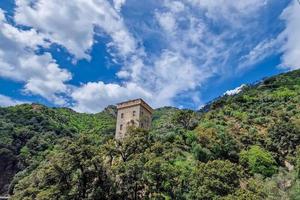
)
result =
(237, 147)
(260, 113)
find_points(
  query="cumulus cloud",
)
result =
(194, 41)
(175, 69)
(94, 96)
(192, 52)
(73, 24)
(163, 77)
(18, 61)
(291, 48)
(7, 101)
(73, 27)
(171, 75)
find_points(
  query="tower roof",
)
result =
(134, 102)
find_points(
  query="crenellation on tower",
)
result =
(132, 113)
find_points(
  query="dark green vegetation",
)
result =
(245, 146)
(30, 132)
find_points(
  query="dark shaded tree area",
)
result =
(136, 168)
(29, 132)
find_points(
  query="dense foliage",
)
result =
(245, 146)
(259, 161)
(29, 132)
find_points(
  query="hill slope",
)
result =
(238, 147)
(267, 114)
(28, 132)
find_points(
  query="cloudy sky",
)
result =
(87, 54)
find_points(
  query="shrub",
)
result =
(259, 161)
(214, 179)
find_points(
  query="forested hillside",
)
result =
(245, 146)
(29, 132)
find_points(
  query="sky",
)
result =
(88, 54)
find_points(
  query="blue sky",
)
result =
(87, 54)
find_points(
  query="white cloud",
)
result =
(175, 6)
(118, 4)
(229, 11)
(72, 24)
(261, 51)
(94, 96)
(167, 21)
(191, 49)
(192, 52)
(2, 16)
(73, 27)
(18, 61)
(235, 91)
(7, 101)
(291, 49)
(171, 75)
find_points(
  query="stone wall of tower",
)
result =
(125, 118)
(132, 113)
(145, 118)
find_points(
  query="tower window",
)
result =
(133, 113)
(122, 115)
(121, 126)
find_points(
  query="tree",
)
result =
(298, 161)
(259, 161)
(126, 162)
(216, 142)
(75, 171)
(200, 153)
(160, 177)
(142, 168)
(252, 189)
(127, 176)
(285, 137)
(214, 179)
(136, 141)
(186, 118)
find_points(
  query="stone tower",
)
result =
(132, 113)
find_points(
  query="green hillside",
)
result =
(29, 132)
(245, 146)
